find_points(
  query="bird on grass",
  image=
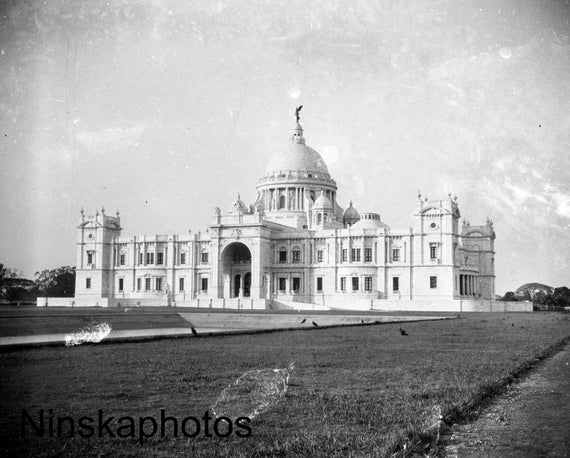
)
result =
(304, 319)
(315, 324)
(194, 331)
(404, 333)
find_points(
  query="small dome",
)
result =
(238, 206)
(351, 212)
(369, 221)
(322, 202)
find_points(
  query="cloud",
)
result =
(109, 140)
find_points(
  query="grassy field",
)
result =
(355, 391)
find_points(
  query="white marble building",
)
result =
(294, 246)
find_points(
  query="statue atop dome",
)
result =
(297, 111)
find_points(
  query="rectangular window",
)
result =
(433, 282)
(150, 258)
(121, 284)
(204, 285)
(367, 283)
(396, 254)
(139, 284)
(395, 284)
(87, 283)
(344, 255)
(319, 284)
(354, 283)
(205, 257)
(320, 256)
(147, 284)
(122, 259)
(355, 255)
(296, 284)
(343, 283)
(433, 250)
(181, 284)
(158, 284)
(367, 254)
(282, 256)
(282, 284)
(296, 256)
(182, 258)
(141, 259)
(89, 257)
(160, 258)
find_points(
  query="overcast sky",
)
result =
(165, 109)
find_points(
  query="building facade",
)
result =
(295, 246)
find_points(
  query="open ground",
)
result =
(355, 391)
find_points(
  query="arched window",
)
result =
(319, 218)
(281, 202)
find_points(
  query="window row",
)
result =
(158, 284)
(355, 255)
(396, 283)
(354, 282)
(150, 258)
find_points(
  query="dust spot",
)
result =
(505, 52)
(294, 92)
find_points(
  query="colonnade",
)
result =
(291, 197)
(468, 285)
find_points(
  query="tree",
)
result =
(533, 291)
(559, 298)
(58, 282)
(12, 287)
(509, 296)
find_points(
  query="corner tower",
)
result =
(95, 235)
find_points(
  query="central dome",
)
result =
(297, 157)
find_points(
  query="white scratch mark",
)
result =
(253, 393)
(93, 333)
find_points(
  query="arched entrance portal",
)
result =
(236, 265)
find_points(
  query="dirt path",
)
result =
(532, 419)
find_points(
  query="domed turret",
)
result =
(350, 216)
(238, 206)
(322, 202)
(370, 221)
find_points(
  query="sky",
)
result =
(164, 109)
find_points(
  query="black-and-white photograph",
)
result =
(285, 228)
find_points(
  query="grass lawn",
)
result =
(355, 391)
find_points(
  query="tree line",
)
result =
(58, 282)
(543, 297)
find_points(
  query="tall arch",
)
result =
(236, 269)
